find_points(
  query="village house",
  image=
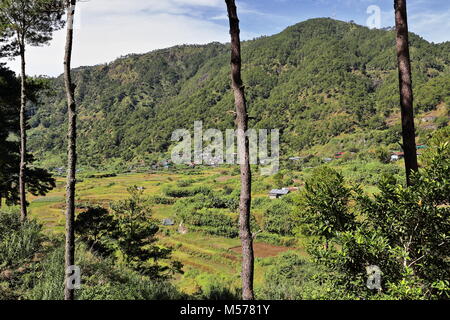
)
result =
(278, 193)
(397, 156)
(168, 222)
(421, 146)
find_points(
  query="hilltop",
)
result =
(328, 85)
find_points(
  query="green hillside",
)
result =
(332, 86)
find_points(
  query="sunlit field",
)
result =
(201, 254)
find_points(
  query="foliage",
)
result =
(19, 242)
(324, 205)
(403, 230)
(102, 279)
(186, 192)
(324, 79)
(129, 232)
(291, 277)
(94, 226)
(278, 218)
(28, 21)
(39, 181)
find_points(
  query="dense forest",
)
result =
(322, 78)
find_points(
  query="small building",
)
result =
(397, 156)
(168, 222)
(278, 193)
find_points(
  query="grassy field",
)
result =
(202, 255)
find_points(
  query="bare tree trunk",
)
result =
(23, 135)
(242, 125)
(71, 153)
(406, 93)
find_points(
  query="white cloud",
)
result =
(433, 26)
(111, 28)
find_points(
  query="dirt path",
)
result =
(264, 250)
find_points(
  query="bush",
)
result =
(101, 279)
(19, 242)
(188, 192)
(278, 218)
(185, 183)
(402, 230)
(291, 277)
(212, 223)
(160, 200)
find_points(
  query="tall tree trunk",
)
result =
(23, 134)
(242, 125)
(406, 93)
(71, 153)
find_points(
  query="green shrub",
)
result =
(186, 192)
(291, 277)
(185, 183)
(101, 279)
(160, 200)
(18, 241)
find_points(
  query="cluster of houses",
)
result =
(395, 156)
(337, 155)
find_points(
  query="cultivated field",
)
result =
(202, 255)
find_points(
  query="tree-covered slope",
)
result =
(316, 81)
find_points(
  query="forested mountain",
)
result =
(317, 81)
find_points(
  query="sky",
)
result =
(108, 29)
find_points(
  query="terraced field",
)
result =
(201, 254)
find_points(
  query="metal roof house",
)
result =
(397, 156)
(278, 193)
(168, 222)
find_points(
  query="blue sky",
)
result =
(107, 29)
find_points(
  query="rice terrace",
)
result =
(200, 253)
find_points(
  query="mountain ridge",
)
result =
(324, 78)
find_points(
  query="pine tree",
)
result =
(406, 93)
(39, 181)
(71, 151)
(26, 22)
(244, 155)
